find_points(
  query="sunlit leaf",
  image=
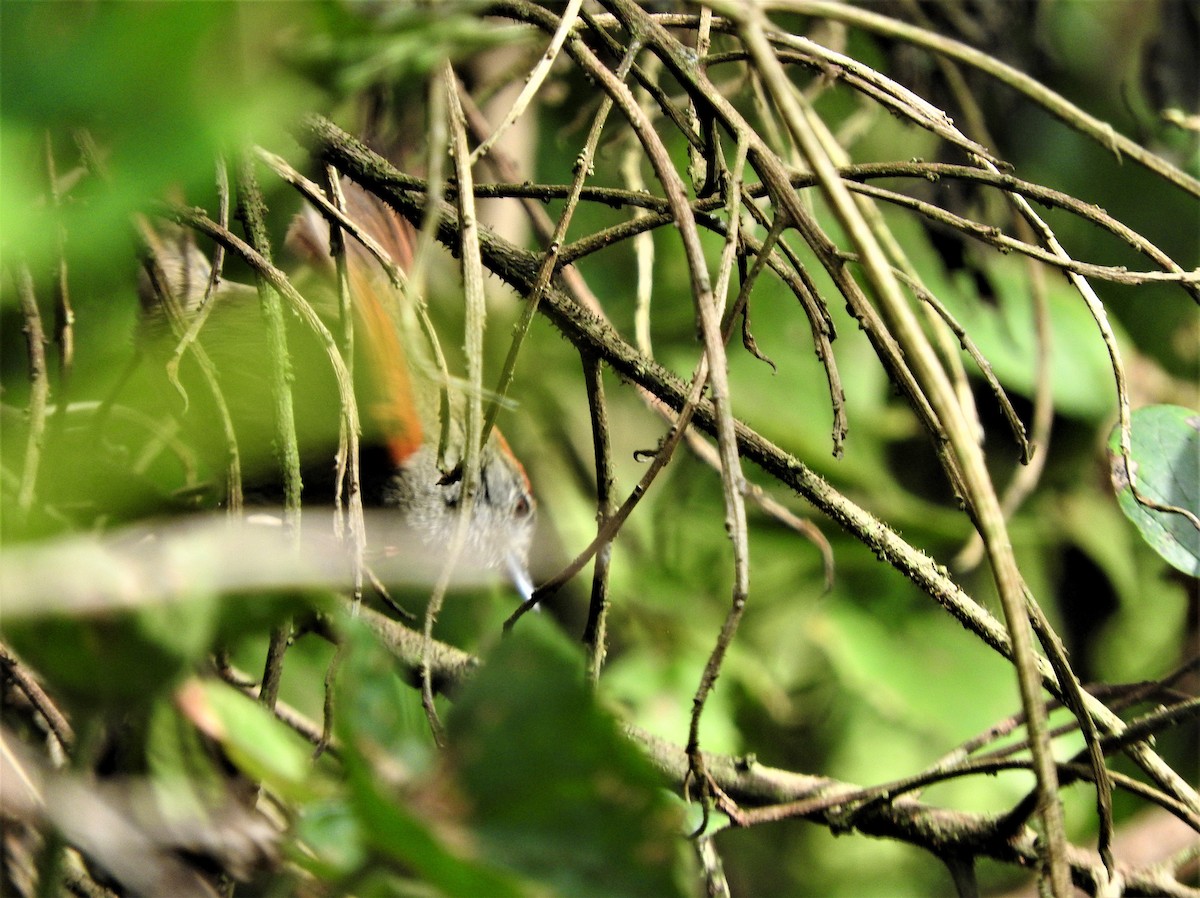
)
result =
(1166, 469)
(259, 744)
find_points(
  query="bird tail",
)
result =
(391, 406)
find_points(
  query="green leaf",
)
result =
(162, 87)
(386, 752)
(140, 654)
(395, 831)
(1165, 456)
(555, 789)
(260, 745)
(182, 764)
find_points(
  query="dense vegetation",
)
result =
(854, 347)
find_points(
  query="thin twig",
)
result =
(595, 631)
(533, 81)
(39, 386)
(583, 168)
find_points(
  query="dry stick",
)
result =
(64, 315)
(409, 283)
(583, 168)
(474, 321)
(765, 255)
(648, 81)
(175, 319)
(1073, 690)
(643, 244)
(334, 211)
(781, 793)
(252, 212)
(1029, 220)
(27, 681)
(921, 292)
(751, 784)
(698, 167)
(1073, 697)
(533, 81)
(733, 206)
(436, 150)
(347, 461)
(1026, 478)
(937, 830)
(221, 172)
(589, 332)
(932, 171)
(982, 502)
(1187, 280)
(941, 332)
(586, 330)
(278, 281)
(777, 184)
(39, 386)
(718, 375)
(187, 340)
(1003, 242)
(888, 93)
(233, 471)
(1028, 475)
(613, 523)
(595, 631)
(1149, 762)
(327, 708)
(1058, 106)
(578, 288)
(853, 804)
(1131, 732)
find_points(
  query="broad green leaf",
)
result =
(260, 745)
(182, 766)
(393, 829)
(162, 88)
(1165, 458)
(121, 659)
(555, 789)
(386, 751)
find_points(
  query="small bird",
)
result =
(399, 401)
(400, 410)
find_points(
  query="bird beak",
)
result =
(519, 575)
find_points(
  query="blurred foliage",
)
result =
(540, 793)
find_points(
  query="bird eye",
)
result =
(523, 507)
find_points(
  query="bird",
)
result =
(401, 407)
(404, 471)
